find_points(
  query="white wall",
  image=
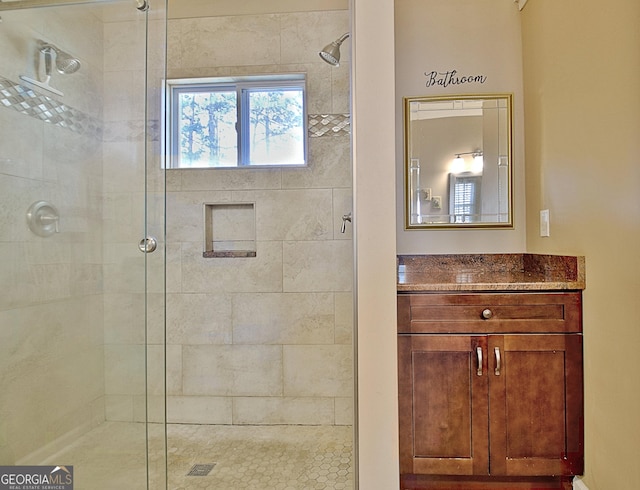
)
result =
(374, 152)
(474, 37)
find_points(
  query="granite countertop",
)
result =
(490, 272)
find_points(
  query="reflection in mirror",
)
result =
(458, 161)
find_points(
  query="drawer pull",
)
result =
(496, 350)
(487, 314)
(479, 353)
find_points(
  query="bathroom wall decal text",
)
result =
(451, 77)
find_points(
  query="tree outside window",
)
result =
(218, 124)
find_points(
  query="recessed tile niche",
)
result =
(229, 230)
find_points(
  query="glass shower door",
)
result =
(81, 310)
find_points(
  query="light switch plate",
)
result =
(544, 222)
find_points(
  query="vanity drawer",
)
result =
(520, 312)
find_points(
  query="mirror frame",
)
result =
(407, 101)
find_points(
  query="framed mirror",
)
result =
(458, 161)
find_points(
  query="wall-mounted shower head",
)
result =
(331, 52)
(65, 63)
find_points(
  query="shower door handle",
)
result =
(148, 245)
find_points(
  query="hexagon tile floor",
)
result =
(112, 457)
(261, 457)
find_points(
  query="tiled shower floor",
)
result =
(111, 457)
(260, 458)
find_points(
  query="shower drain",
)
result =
(201, 469)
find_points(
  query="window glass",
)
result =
(276, 134)
(256, 121)
(466, 200)
(206, 129)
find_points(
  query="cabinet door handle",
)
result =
(487, 314)
(479, 353)
(496, 350)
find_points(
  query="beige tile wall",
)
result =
(264, 340)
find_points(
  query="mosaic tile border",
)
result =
(29, 102)
(329, 124)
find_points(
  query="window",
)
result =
(249, 121)
(465, 202)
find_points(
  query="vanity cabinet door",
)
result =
(443, 405)
(535, 395)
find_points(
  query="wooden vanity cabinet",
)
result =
(490, 389)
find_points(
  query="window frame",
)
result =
(243, 86)
(474, 180)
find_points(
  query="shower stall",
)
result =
(125, 352)
(81, 310)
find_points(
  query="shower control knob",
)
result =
(43, 218)
(345, 218)
(148, 245)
